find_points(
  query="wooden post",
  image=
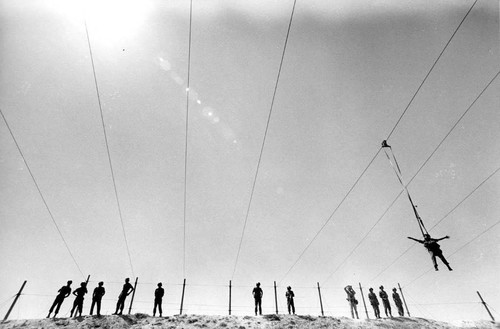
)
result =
(485, 306)
(133, 294)
(14, 302)
(275, 297)
(229, 297)
(182, 298)
(364, 303)
(320, 301)
(404, 301)
(87, 282)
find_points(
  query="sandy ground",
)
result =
(270, 321)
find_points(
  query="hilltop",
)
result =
(271, 321)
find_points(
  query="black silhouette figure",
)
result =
(127, 289)
(352, 300)
(159, 292)
(434, 249)
(257, 295)
(289, 300)
(97, 297)
(372, 297)
(78, 303)
(64, 292)
(385, 300)
(398, 302)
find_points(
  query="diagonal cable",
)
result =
(415, 175)
(107, 149)
(432, 67)
(186, 140)
(332, 214)
(41, 194)
(264, 139)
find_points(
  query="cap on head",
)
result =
(258, 284)
(371, 289)
(83, 284)
(381, 287)
(127, 280)
(159, 284)
(101, 283)
(427, 236)
(394, 289)
(289, 287)
(70, 282)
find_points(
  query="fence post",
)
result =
(320, 301)
(14, 302)
(486, 307)
(229, 297)
(275, 297)
(87, 282)
(133, 294)
(404, 301)
(364, 303)
(182, 298)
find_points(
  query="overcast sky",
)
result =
(349, 71)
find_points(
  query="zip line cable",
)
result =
(107, 149)
(363, 239)
(331, 216)
(456, 251)
(186, 140)
(432, 67)
(439, 221)
(402, 114)
(264, 140)
(415, 175)
(41, 194)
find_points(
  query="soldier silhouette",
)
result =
(159, 292)
(398, 302)
(289, 300)
(352, 300)
(257, 295)
(97, 297)
(78, 303)
(385, 300)
(372, 297)
(127, 289)
(434, 249)
(64, 292)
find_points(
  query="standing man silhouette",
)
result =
(127, 289)
(159, 292)
(257, 295)
(78, 303)
(352, 300)
(398, 302)
(372, 297)
(97, 297)
(385, 301)
(64, 292)
(289, 299)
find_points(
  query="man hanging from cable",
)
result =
(434, 249)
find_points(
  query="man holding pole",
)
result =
(127, 289)
(372, 297)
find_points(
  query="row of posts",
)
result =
(230, 288)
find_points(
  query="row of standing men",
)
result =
(257, 293)
(372, 297)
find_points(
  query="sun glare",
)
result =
(108, 21)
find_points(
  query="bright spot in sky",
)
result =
(207, 111)
(198, 101)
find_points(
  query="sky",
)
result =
(349, 71)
